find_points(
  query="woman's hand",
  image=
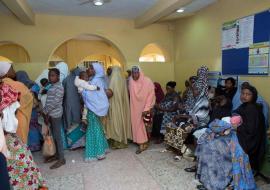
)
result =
(145, 113)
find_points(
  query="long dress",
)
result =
(118, 125)
(96, 144)
(221, 160)
(23, 171)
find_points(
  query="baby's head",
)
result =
(236, 120)
(44, 82)
(84, 76)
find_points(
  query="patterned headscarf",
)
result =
(8, 96)
(202, 82)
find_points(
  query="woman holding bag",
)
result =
(142, 100)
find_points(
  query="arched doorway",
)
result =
(87, 48)
(13, 52)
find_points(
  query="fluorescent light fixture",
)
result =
(180, 10)
(98, 2)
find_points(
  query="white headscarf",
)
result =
(63, 68)
(4, 68)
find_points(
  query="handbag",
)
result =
(48, 148)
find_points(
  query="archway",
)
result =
(87, 47)
(14, 52)
(153, 53)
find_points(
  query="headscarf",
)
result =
(253, 90)
(63, 68)
(202, 82)
(23, 77)
(9, 96)
(97, 101)
(4, 68)
(158, 92)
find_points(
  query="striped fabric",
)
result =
(54, 102)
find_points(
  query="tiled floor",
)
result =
(121, 170)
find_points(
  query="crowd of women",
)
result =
(87, 108)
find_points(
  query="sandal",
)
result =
(191, 169)
(178, 158)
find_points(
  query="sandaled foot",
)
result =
(58, 164)
(101, 158)
(50, 159)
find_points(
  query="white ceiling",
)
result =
(127, 9)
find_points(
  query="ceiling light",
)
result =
(180, 10)
(98, 2)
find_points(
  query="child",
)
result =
(53, 112)
(43, 92)
(82, 84)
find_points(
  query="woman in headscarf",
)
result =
(142, 100)
(221, 160)
(72, 111)
(118, 127)
(34, 136)
(252, 133)
(169, 106)
(23, 172)
(97, 104)
(188, 99)
(8, 76)
(196, 119)
(158, 115)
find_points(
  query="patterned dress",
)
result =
(23, 171)
(96, 142)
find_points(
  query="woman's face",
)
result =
(195, 91)
(246, 96)
(135, 75)
(91, 71)
(169, 89)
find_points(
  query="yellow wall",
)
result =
(198, 39)
(51, 31)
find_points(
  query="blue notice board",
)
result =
(245, 45)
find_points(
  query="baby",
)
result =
(81, 82)
(43, 92)
(235, 121)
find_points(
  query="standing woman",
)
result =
(142, 100)
(97, 104)
(118, 127)
(23, 114)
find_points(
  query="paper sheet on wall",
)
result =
(259, 58)
(229, 35)
(244, 32)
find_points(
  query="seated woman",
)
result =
(169, 105)
(197, 118)
(221, 160)
(251, 134)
